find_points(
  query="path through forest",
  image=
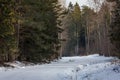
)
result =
(92, 67)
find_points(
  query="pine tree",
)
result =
(39, 31)
(88, 21)
(29, 30)
(115, 27)
(7, 30)
(74, 27)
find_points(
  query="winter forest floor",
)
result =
(92, 67)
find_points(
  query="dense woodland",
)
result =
(31, 31)
(93, 30)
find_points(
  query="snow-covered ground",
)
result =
(92, 67)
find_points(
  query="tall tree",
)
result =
(88, 21)
(74, 28)
(7, 30)
(39, 31)
(115, 27)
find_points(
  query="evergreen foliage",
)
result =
(7, 30)
(75, 32)
(29, 30)
(115, 27)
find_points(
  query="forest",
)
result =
(33, 32)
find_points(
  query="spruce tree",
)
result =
(115, 27)
(7, 30)
(39, 31)
(74, 29)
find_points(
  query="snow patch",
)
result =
(92, 67)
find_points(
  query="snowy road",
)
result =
(93, 67)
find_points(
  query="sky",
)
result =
(81, 2)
